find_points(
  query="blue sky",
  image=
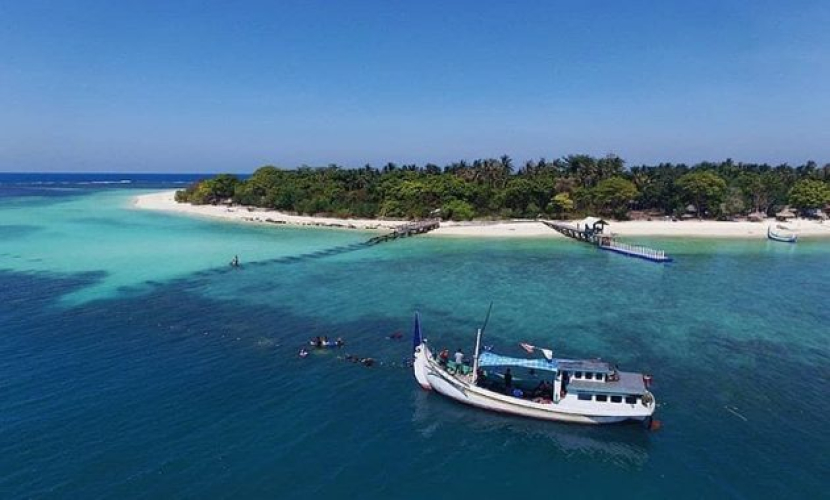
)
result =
(229, 86)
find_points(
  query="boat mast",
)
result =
(478, 343)
(475, 356)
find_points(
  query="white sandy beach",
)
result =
(165, 201)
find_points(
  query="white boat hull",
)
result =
(421, 368)
(430, 375)
(784, 237)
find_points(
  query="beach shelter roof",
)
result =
(757, 216)
(786, 213)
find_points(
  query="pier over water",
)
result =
(592, 231)
(405, 230)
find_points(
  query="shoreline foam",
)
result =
(165, 201)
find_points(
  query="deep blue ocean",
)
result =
(135, 363)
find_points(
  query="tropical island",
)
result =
(491, 197)
(494, 189)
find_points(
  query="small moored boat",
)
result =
(782, 233)
(547, 388)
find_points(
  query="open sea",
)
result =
(135, 363)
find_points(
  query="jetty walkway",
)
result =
(593, 232)
(405, 230)
(402, 231)
(572, 231)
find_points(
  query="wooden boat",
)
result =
(782, 234)
(572, 390)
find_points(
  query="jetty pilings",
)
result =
(406, 230)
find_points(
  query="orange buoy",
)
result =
(655, 425)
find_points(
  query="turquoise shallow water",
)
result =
(136, 364)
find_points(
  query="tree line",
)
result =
(568, 187)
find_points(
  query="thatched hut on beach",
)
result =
(756, 216)
(785, 214)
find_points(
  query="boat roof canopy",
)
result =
(585, 365)
(627, 384)
(490, 359)
(571, 365)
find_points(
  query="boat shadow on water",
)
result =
(624, 445)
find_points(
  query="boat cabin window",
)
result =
(584, 397)
(577, 374)
(616, 399)
(631, 400)
(602, 398)
(600, 377)
(589, 376)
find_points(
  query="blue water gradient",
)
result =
(137, 364)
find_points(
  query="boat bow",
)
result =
(420, 365)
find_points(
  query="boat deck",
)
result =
(629, 383)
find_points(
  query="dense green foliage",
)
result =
(704, 189)
(613, 196)
(493, 188)
(807, 194)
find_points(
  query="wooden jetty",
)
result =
(587, 234)
(593, 232)
(405, 230)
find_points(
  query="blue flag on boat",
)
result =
(417, 338)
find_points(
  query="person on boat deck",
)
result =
(508, 379)
(544, 389)
(443, 357)
(459, 356)
(339, 342)
(318, 342)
